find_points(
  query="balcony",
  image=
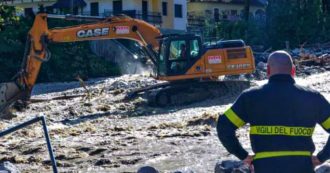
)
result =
(200, 20)
(17, 2)
(150, 17)
(154, 18)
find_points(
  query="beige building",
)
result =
(167, 14)
(28, 6)
(199, 10)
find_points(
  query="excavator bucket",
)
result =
(9, 93)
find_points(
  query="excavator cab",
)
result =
(178, 53)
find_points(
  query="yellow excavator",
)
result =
(178, 59)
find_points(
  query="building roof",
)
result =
(236, 2)
(69, 3)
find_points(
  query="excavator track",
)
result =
(182, 93)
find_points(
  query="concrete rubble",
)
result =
(147, 169)
(308, 61)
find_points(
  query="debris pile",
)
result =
(309, 60)
(101, 133)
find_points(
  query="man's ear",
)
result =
(293, 71)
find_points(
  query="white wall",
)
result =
(103, 5)
(180, 23)
(132, 5)
(107, 5)
(136, 5)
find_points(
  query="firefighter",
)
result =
(282, 117)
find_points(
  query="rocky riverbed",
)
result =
(99, 132)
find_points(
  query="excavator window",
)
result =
(162, 60)
(177, 49)
(178, 56)
(194, 49)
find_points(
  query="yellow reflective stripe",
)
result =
(326, 123)
(234, 118)
(281, 130)
(263, 155)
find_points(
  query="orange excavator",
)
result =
(177, 58)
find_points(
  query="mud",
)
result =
(101, 133)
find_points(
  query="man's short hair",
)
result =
(280, 61)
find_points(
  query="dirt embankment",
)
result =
(102, 133)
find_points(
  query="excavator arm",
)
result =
(119, 27)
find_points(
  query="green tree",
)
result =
(7, 16)
(326, 20)
(297, 21)
(68, 60)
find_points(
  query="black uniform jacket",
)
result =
(282, 117)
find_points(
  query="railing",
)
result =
(150, 17)
(252, 3)
(200, 20)
(45, 129)
(15, 2)
(196, 20)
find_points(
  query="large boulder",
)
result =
(147, 169)
(325, 168)
(7, 167)
(231, 166)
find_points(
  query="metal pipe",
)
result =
(49, 145)
(27, 123)
(19, 126)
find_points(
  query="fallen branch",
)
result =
(65, 97)
(82, 83)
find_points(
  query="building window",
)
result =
(28, 12)
(145, 10)
(164, 8)
(216, 14)
(117, 7)
(94, 8)
(49, 10)
(178, 11)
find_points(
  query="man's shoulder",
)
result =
(299, 88)
(306, 90)
(253, 89)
